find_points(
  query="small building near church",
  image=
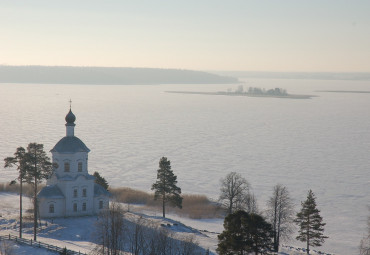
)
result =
(70, 190)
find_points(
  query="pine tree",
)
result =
(101, 180)
(165, 186)
(19, 161)
(310, 223)
(38, 167)
(64, 251)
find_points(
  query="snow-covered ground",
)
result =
(78, 233)
(9, 247)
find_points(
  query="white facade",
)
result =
(70, 190)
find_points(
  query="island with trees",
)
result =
(250, 92)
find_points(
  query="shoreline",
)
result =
(345, 91)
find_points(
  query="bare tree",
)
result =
(280, 213)
(188, 245)
(365, 242)
(167, 242)
(234, 190)
(250, 203)
(145, 237)
(138, 237)
(110, 230)
(163, 240)
(7, 248)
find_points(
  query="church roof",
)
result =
(50, 192)
(100, 191)
(70, 144)
(70, 178)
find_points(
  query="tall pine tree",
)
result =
(38, 167)
(18, 161)
(310, 223)
(165, 187)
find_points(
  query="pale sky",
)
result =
(286, 35)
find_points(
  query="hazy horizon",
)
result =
(189, 69)
(140, 76)
(289, 36)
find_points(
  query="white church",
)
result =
(70, 190)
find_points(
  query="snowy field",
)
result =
(321, 144)
(77, 233)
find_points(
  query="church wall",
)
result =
(75, 197)
(57, 210)
(52, 180)
(73, 160)
(97, 200)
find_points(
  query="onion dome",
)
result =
(70, 118)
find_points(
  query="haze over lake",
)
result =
(321, 144)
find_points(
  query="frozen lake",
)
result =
(321, 144)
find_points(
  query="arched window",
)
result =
(80, 166)
(84, 207)
(101, 204)
(67, 167)
(51, 208)
(84, 193)
(75, 207)
(75, 193)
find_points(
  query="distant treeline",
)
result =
(365, 76)
(259, 91)
(106, 75)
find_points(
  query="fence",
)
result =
(38, 244)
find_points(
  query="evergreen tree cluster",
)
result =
(33, 166)
(245, 233)
(101, 180)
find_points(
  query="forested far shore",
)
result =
(360, 76)
(107, 75)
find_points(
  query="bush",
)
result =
(198, 207)
(14, 188)
(193, 206)
(131, 196)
